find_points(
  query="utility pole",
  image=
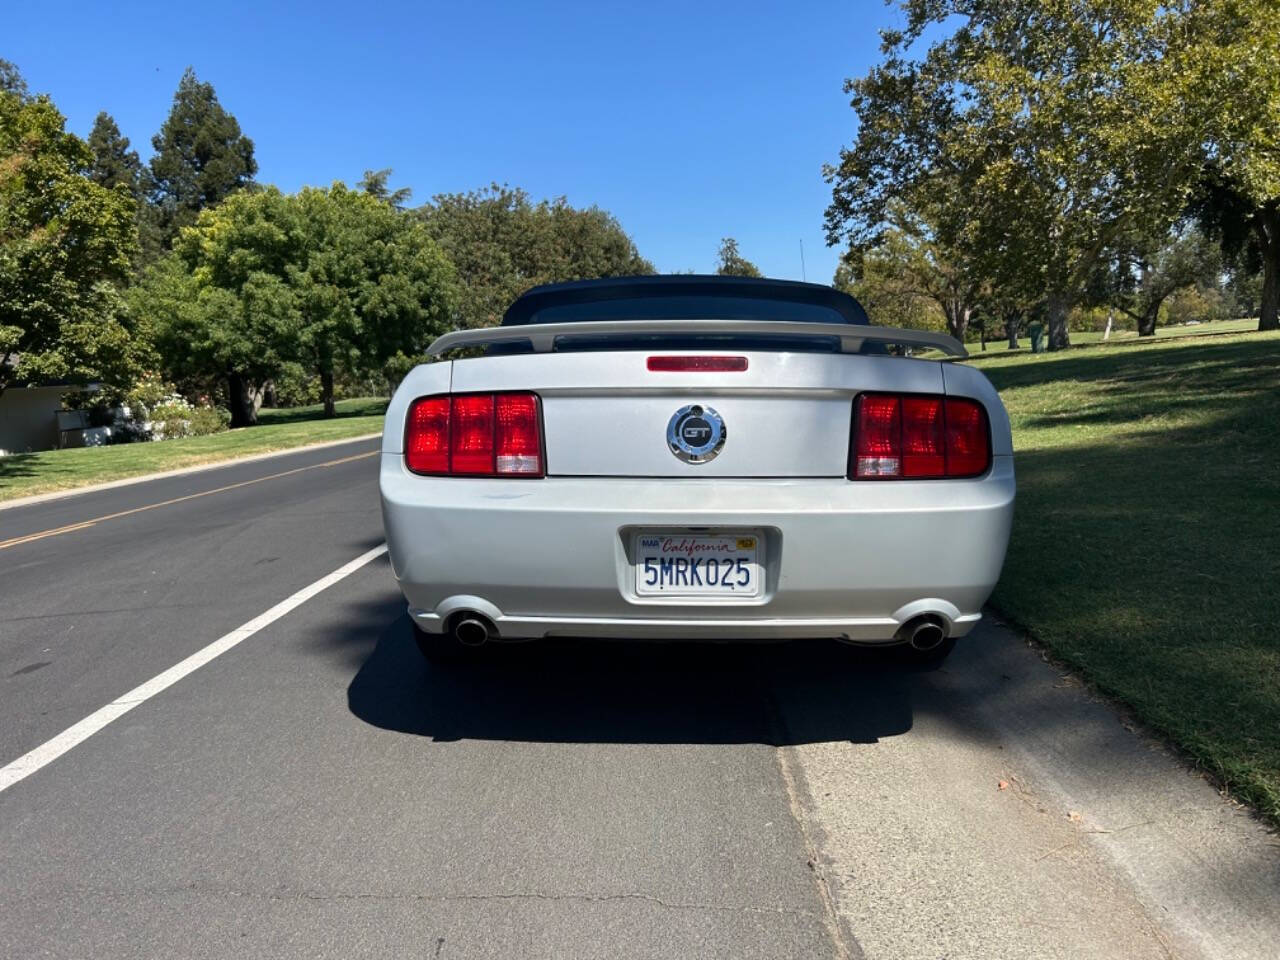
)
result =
(803, 275)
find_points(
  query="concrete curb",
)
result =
(181, 471)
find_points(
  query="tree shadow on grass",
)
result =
(1146, 555)
(1220, 365)
(16, 466)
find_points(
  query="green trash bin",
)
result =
(1036, 332)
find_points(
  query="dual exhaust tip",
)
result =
(923, 633)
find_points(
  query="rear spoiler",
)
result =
(543, 336)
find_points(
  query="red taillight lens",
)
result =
(918, 437)
(426, 436)
(878, 436)
(968, 439)
(697, 364)
(922, 454)
(518, 449)
(471, 448)
(475, 434)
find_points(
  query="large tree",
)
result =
(372, 284)
(911, 260)
(200, 158)
(1229, 70)
(730, 263)
(880, 279)
(333, 280)
(1049, 125)
(503, 243)
(65, 244)
(1145, 273)
(114, 163)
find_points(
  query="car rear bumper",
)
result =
(551, 557)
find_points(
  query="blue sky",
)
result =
(688, 121)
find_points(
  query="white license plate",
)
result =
(696, 565)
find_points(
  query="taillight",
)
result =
(426, 436)
(518, 449)
(475, 435)
(678, 364)
(914, 436)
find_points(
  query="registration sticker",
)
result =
(698, 565)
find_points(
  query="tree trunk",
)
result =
(1147, 322)
(241, 399)
(326, 392)
(1059, 310)
(269, 398)
(957, 315)
(1269, 313)
(1011, 328)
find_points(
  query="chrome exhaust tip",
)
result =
(923, 633)
(472, 631)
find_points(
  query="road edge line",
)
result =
(33, 760)
(178, 472)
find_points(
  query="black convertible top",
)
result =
(684, 297)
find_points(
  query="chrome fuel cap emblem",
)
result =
(696, 433)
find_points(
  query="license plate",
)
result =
(697, 565)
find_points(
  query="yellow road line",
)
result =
(71, 527)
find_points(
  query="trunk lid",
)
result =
(606, 414)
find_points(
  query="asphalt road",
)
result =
(317, 791)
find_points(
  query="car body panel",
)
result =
(844, 559)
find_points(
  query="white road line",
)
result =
(51, 750)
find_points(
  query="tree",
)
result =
(1228, 68)
(502, 243)
(877, 279)
(1037, 131)
(1145, 275)
(373, 284)
(11, 81)
(912, 260)
(374, 183)
(219, 306)
(200, 159)
(1248, 230)
(65, 244)
(333, 280)
(731, 264)
(113, 162)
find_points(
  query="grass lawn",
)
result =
(1146, 545)
(25, 474)
(1126, 336)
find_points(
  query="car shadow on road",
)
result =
(565, 691)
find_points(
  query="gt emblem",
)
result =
(696, 434)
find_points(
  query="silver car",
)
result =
(695, 458)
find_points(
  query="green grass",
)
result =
(1089, 337)
(1146, 545)
(25, 474)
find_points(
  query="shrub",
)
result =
(149, 392)
(176, 417)
(206, 420)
